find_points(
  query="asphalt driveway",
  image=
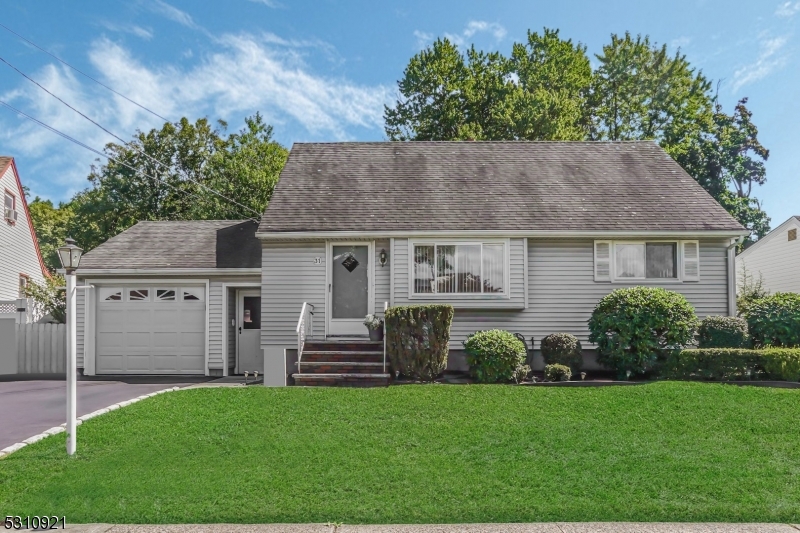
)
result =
(30, 407)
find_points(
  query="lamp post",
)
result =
(70, 256)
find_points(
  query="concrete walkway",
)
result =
(560, 527)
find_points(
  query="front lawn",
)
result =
(437, 453)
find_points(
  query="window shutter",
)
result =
(602, 260)
(691, 261)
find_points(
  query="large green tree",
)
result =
(52, 224)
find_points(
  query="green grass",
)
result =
(659, 452)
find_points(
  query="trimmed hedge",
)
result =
(726, 364)
(563, 349)
(635, 328)
(557, 373)
(418, 339)
(495, 356)
(723, 332)
(775, 320)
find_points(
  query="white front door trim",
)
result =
(328, 277)
(240, 294)
(234, 284)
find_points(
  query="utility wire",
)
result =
(102, 154)
(123, 141)
(81, 72)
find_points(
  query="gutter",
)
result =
(732, 309)
(83, 272)
(321, 235)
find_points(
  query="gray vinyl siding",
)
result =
(383, 276)
(516, 300)
(216, 325)
(231, 328)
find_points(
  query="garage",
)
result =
(150, 329)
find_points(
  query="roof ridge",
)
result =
(512, 141)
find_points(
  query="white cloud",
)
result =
(472, 28)
(243, 74)
(173, 13)
(770, 58)
(788, 9)
(138, 31)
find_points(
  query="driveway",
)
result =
(30, 407)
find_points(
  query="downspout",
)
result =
(732, 275)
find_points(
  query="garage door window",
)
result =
(194, 294)
(110, 294)
(165, 295)
(138, 295)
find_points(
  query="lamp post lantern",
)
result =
(70, 256)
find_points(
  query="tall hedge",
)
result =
(775, 320)
(635, 327)
(418, 339)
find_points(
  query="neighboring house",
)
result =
(524, 236)
(20, 259)
(775, 258)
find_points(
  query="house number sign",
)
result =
(317, 260)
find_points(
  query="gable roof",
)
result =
(768, 237)
(489, 186)
(206, 244)
(5, 162)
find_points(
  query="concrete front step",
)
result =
(341, 380)
(339, 367)
(312, 356)
(342, 346)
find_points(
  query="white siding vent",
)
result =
(691, 261)
(793, 234)
(602, 260)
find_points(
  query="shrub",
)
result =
(557, 373)
(724, 364)
(494, 356)
(563, 349)
(418, 339)
(723, 332)
(750, 289)
(775, 320)
(636, 327)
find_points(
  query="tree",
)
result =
(52, 226)
(169, 174)
(49, 297)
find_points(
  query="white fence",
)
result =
(41, 348)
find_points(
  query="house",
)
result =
(775, 258)
(20, 259)
(525, 236)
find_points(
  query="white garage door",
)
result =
(152, 329)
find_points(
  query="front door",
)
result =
(349, 290)
(248, 333)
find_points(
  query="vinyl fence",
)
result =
(41, 348)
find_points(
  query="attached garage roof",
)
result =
(488, 186)
(206, 244)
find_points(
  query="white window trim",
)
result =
(505, 295)
(680, 260)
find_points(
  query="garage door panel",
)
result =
(140, 337)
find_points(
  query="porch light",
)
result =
(70, 255)
(382, 257)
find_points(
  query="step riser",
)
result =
(343, 346)
(341, 358)
(322, 368)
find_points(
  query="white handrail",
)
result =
(305, 328)
(385, 308)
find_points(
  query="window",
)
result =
(9, 207)
(165, 295)
(138, 295)
(621, 261)
(192, 294)
(23, 284)
(110, 294)
(459, 268)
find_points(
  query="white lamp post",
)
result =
(70, 256)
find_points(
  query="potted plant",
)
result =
(375, 327)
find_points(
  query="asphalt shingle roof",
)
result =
(179, 244)
(474, 186)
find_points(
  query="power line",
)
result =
(120, 139)
(102, 154)
(81, 72)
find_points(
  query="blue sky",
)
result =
(323, 70)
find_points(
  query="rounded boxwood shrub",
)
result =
(775, 320)
(636, 327)
(723, 332)
(494, 355)
(563, 349)
(557, 373)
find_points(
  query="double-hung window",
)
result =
(646, 260)
(459, 268)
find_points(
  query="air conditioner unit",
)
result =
(11, 214)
